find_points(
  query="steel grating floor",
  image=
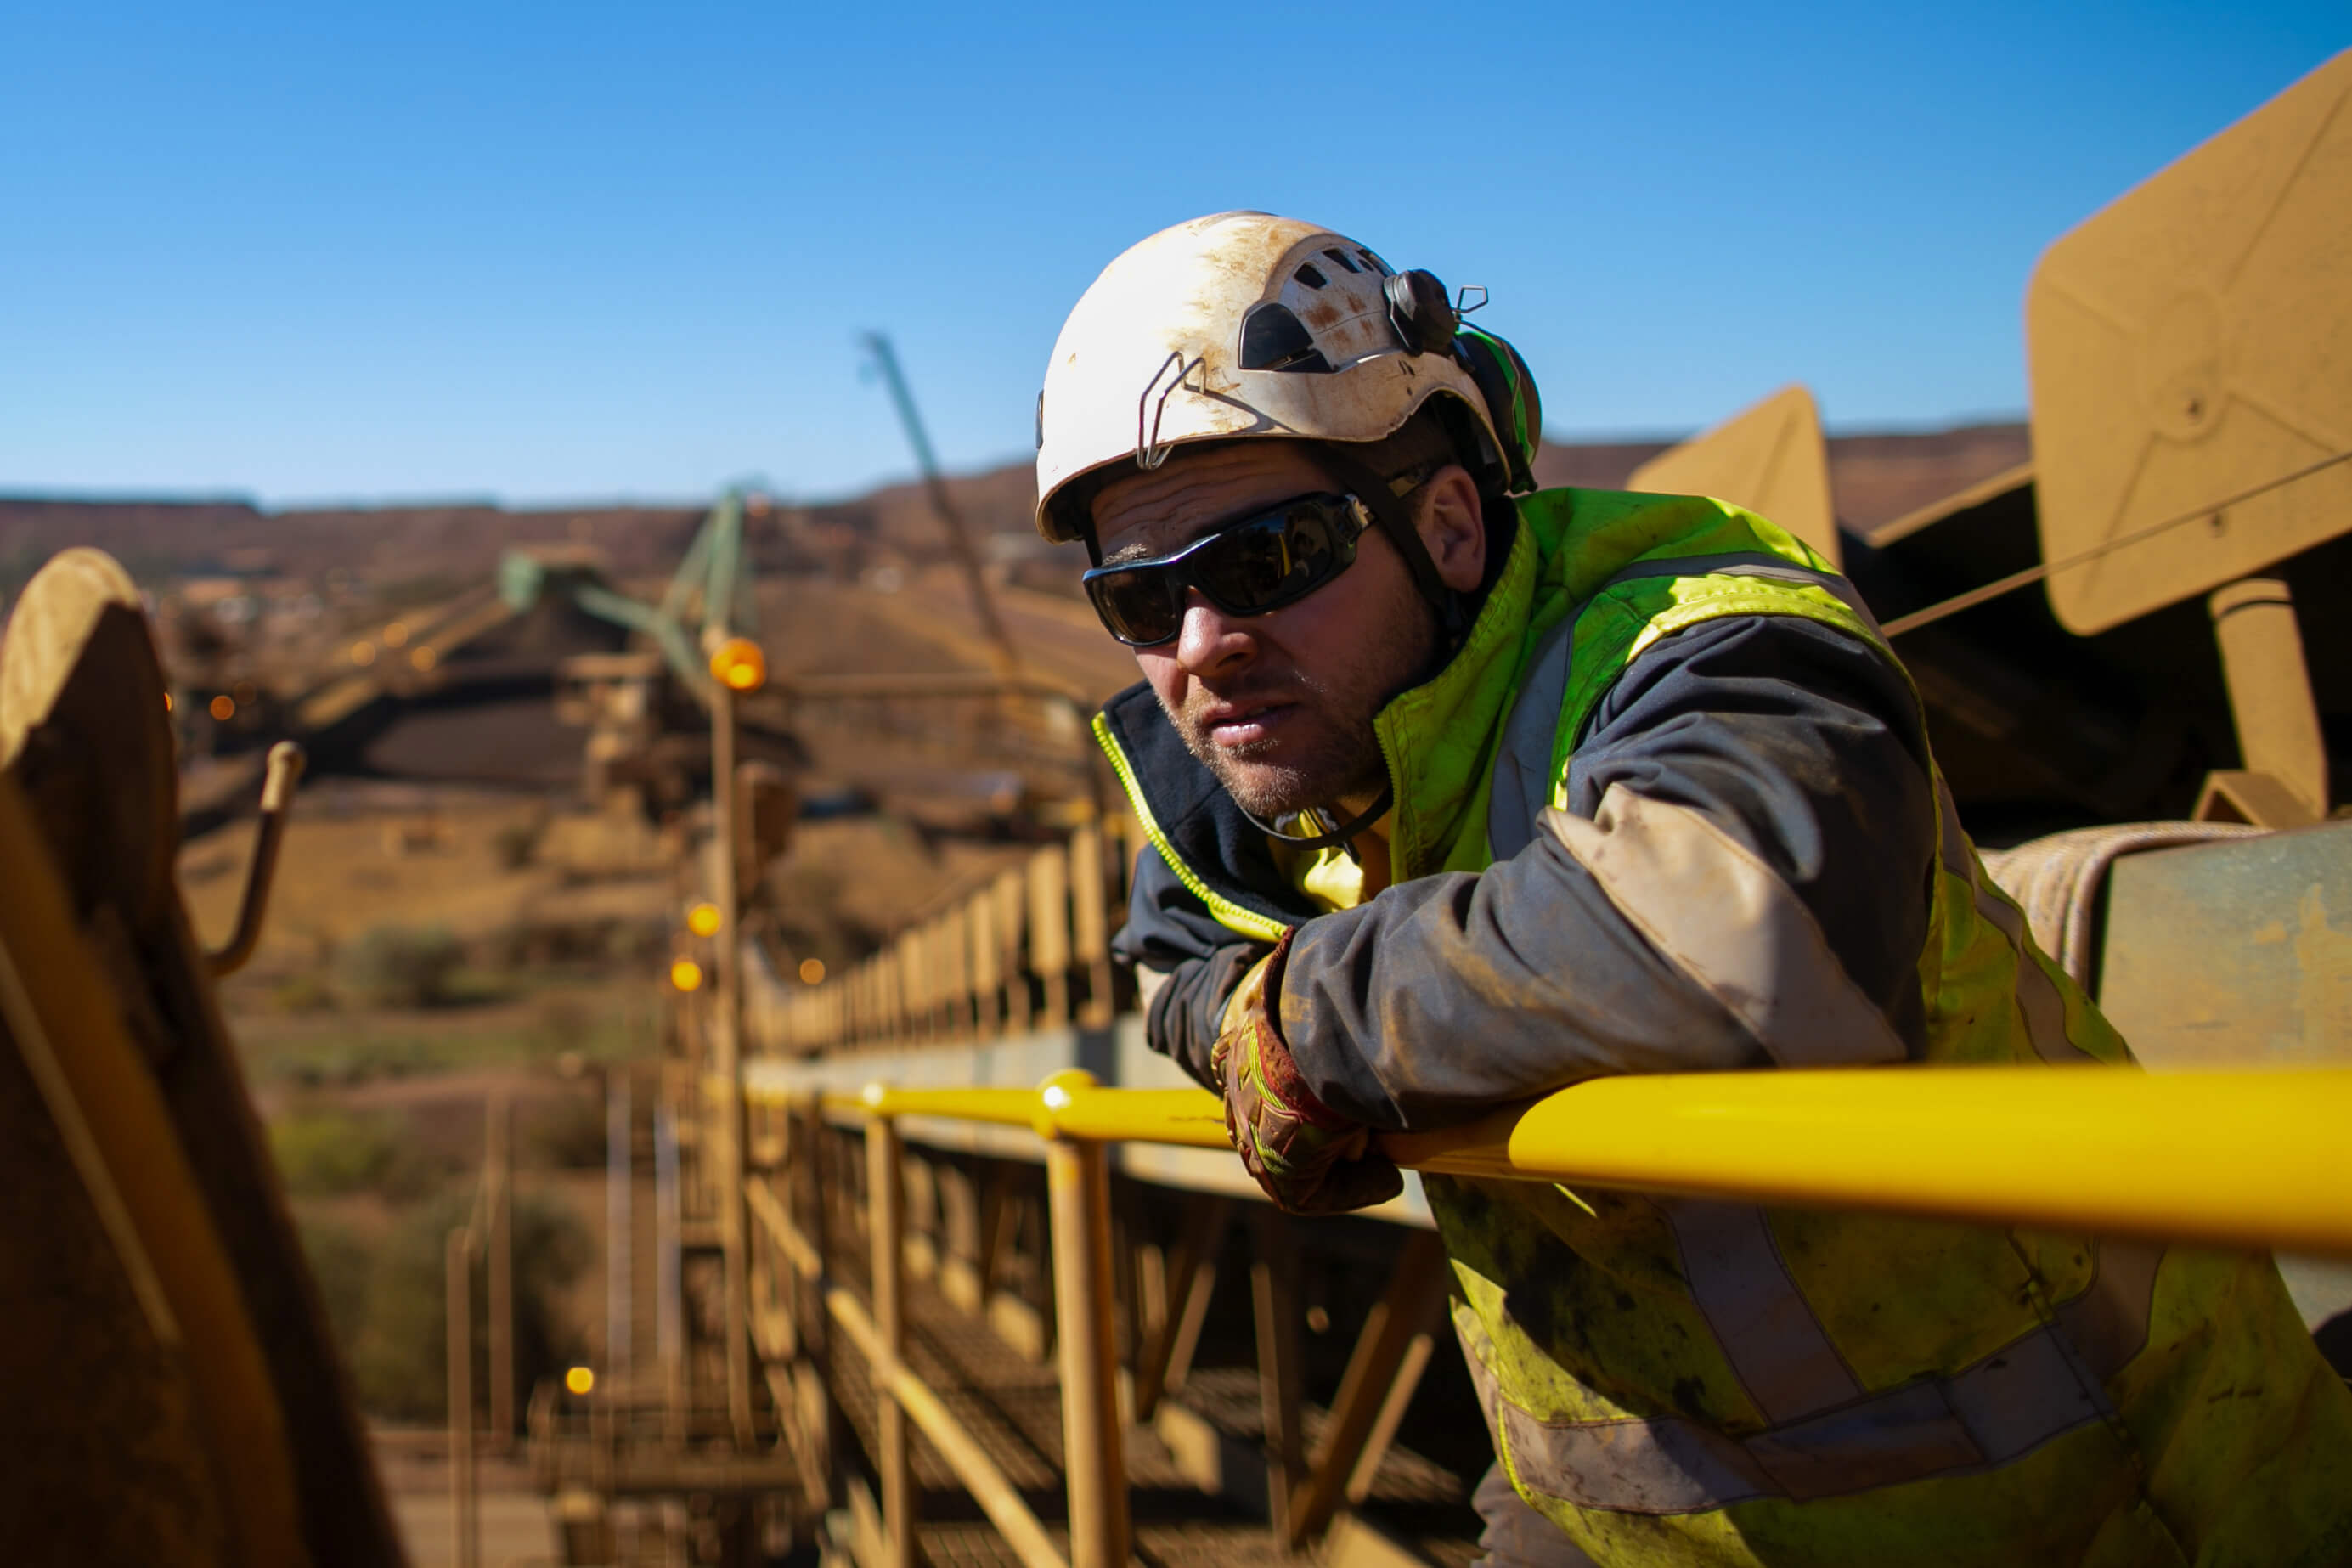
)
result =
(1011, 1407)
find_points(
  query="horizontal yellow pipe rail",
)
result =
(1066, 1105)
(2238, 1158)
(1003, 1107)
(2234, 1158)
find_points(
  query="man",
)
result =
(1461, 794)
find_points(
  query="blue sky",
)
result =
(562, 252)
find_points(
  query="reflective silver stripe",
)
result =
(1522, 780)
(1952, 840)
(1734, 926)
(2038, 1001)
(1765, 1327)
(1631, 1466)
(2027, 1392)
(1998, 1410)
(1626, 1465)
(2108, 1322)
(1902, 1434)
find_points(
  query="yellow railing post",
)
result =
(1090, 924)
(952, 956)
(985, 950)
(1049, 930)
(820, 1418)
(465, 1530)
(1077, 1181)
(886, 1224)
(1012, 912)
(732, 665)
(1274, 1299)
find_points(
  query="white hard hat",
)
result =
(1246, 324)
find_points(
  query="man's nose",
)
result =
(1212, 643)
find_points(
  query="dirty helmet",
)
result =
(1243, 324)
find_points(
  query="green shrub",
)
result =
(397, 1359)
(403, 966)
(304, 992)
(514, 845)
(358, 1058)
(340, 1263)
(563, 1132)
(334, 1154)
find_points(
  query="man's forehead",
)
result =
(1151, 511)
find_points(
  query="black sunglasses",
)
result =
(1245, 568)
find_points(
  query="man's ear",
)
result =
(1453, 527)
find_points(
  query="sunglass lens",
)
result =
(1267, 564)
(1248, 569)
(1142, 607)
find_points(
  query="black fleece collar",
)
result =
(1203, 824)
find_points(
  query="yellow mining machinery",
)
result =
(174, 1394)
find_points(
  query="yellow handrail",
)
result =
(2239, 1159)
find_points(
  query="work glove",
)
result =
(1308, 1157)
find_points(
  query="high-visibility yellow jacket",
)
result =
(1685, 1381)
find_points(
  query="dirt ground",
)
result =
(361, 853)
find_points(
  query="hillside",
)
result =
(1876, 478)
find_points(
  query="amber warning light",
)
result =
(738, 665)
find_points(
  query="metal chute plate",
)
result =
(1769, 458)
(2187, 345)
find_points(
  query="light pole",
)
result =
(736, 668)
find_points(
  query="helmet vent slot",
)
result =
(1274, 339)
(1341, 257)
(1313, 278)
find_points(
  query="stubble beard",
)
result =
(1330, 750)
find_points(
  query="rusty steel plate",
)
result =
(2235, 953)
(2190, 344)
(1769, 458)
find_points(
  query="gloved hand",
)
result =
(1308, 1157)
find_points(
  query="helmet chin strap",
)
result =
(1341, 836)
(1395, 519)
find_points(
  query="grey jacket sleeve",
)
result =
(1448, 995)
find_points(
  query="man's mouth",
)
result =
(1235, 726)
